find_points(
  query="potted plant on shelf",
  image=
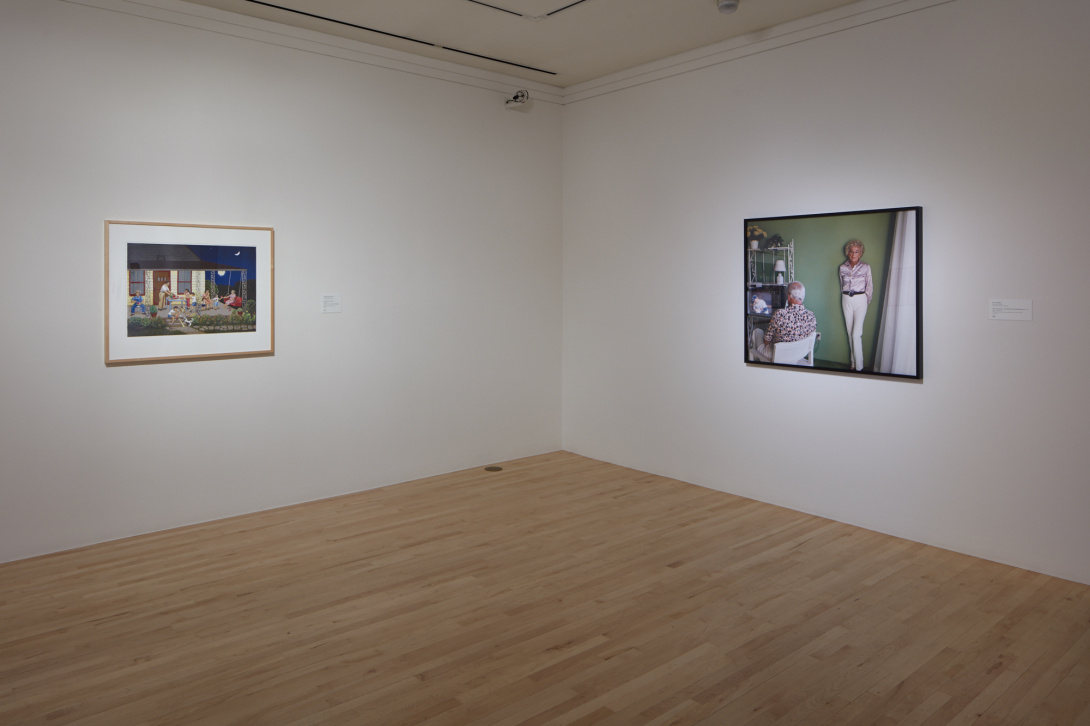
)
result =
(755, 235)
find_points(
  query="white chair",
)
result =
(795, 353)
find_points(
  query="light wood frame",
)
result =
(123, 349)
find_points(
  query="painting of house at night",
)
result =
(183, 282)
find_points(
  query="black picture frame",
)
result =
(812, 249)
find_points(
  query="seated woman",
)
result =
(787, 325)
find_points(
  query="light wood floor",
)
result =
(561, 590)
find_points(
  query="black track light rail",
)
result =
(559, 10)
(497, 7)
(405, 37)
(523, 15)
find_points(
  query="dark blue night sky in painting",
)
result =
(234, 259)
(144, 256)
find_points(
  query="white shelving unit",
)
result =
(760, 274)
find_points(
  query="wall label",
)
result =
(1005, 308)
(331, 303)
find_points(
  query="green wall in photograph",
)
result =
(819, 252)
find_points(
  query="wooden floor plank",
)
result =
(561, 590)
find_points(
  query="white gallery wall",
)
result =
(978, 111)
(394, 189)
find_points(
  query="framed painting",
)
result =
(836, 292)
(178, 292)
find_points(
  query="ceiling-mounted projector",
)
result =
(727, 6)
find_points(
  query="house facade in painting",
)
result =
(150, 266)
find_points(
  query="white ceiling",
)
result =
(557, 42)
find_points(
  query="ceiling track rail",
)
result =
(566, 7)
(524, 15)
(407, 38)
(497, 7)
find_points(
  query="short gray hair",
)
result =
(854, 243)
(797, 290)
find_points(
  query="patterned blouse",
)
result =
(857, 279)
(790, 324)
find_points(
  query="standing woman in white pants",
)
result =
(856, 290)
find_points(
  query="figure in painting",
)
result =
(137, 302)
(856, 289)
(787, 325)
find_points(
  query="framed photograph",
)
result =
(178, 292)
(836, 291)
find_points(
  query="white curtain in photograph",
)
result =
(896, 351)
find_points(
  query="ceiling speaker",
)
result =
(727, 6)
